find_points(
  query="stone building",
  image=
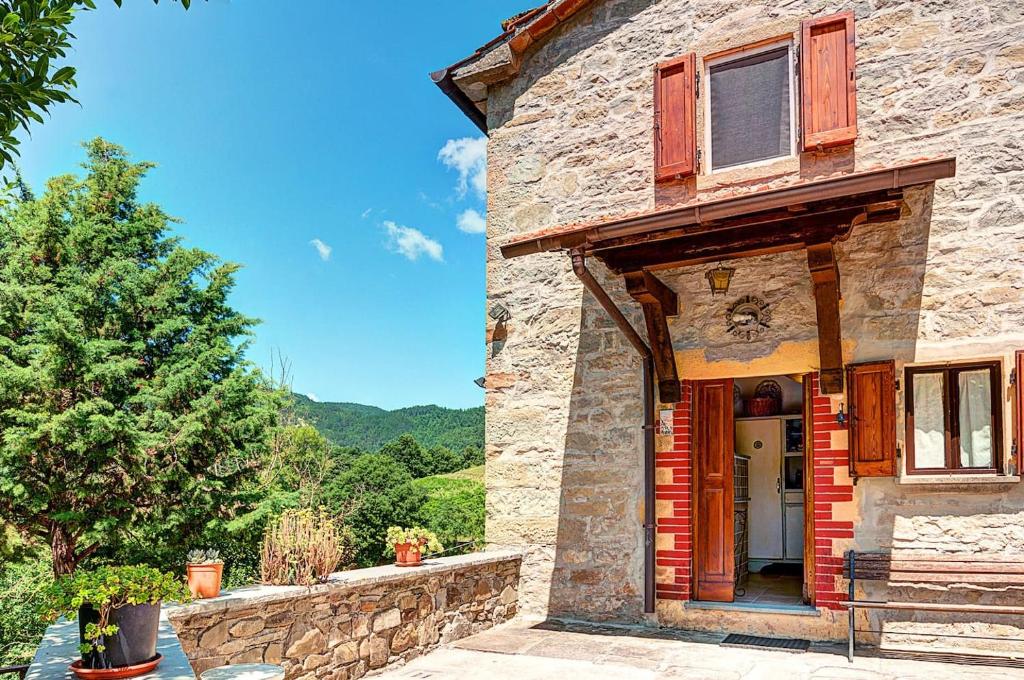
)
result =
(854, 172)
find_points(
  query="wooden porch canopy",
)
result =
(811, 215)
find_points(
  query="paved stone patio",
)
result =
(521, 651)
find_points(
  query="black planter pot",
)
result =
(135, 639)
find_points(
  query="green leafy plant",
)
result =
(123, 371)
(304, 547)
(421, 540)
(203, 557)
(106, 589)
(34, 42)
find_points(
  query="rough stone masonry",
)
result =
(571, 140)
(357, 622)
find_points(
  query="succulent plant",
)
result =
(203, 557)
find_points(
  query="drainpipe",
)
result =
(579, 266)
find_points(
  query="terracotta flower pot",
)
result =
(408, 555)
(204, 579)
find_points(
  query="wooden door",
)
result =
(809, 571)
(714, 574)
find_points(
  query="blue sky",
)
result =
(306, 141)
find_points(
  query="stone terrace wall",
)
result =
(359, 621)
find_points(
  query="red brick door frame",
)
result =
(822, 567)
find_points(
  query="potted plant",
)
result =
(118, 609)
(409, 545)
(204, 569)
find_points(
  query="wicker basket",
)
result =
(763, 406)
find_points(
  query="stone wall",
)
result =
(571, 140)
(359, 621)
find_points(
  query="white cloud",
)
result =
(312, 397)
(322, 248)
(366, 213)
(412, 242)
(469, 156)
(472, 222)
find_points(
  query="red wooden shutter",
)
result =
(872, 412)
(675, 118)
(828, 81)
(1019, 398)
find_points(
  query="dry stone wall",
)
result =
(359, 621)
(571, 140)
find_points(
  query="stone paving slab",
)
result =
(530, 651)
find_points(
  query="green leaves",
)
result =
(35, 35)
(125, 399)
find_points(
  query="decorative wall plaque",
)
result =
(748, 317)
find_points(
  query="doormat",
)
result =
(754, 642)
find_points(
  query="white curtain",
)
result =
(975, 419)
(929, 421)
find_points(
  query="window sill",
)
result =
(957, 480)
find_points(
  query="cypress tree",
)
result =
(124, 393)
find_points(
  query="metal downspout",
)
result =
(579, 266)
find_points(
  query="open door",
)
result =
(715, 566)
(809, 575)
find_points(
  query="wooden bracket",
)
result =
(658, 302)
(821, 260)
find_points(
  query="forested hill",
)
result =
(369, 427)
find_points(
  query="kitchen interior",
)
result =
(769, 490)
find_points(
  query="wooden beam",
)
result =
(658, 302)
(793, 234)
(821, 261)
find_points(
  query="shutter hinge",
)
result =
(1013, 448)
(898, 386)
(1013, 376)
(699, 156)
(696, 85)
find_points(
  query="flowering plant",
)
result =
(419, 539)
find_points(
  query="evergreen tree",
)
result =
(374, 493)
(124, 396)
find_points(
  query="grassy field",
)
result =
(474, 474)
(455, 508)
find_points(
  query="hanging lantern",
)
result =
(719, 279)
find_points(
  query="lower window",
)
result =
(954, 418)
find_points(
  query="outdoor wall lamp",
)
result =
(499, 313)
(481, 382)
(719, 279)
(841, 417)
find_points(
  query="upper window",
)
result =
(750, 106)
(954, 418)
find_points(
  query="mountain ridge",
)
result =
(370, 427)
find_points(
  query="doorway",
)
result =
(752, 488)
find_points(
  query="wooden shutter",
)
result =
(675, 118)
(1018, 394)
(713, 490)
(828, 82)
(872, 413)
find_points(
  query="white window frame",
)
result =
(793, 113)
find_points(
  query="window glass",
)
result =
(929, 421)
(750, 116)
(976, 426)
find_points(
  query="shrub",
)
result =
(106, 589)
(304, 547)
(21, 627)
(455, 511)
(374, 493)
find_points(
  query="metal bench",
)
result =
(944, 570)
